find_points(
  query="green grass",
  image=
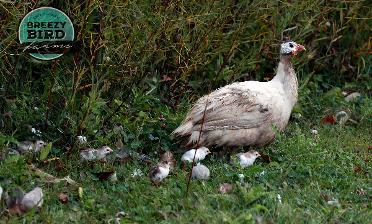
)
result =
(305, 172)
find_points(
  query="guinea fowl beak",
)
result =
(298, 48)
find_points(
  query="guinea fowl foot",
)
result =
(231, 152)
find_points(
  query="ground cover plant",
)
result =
(139, 67)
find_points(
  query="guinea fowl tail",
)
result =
(183, 129)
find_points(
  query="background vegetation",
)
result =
(140, 64)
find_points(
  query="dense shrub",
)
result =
(168, 51)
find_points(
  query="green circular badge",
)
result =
(46, 32)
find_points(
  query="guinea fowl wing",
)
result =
(229, 108)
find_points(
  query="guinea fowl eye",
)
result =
(291, 45)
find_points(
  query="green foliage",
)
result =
(168, 51)
(305, 173)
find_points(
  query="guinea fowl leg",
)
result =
(222, 152)
(231, 152)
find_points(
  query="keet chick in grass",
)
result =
(247, 159)
(32, 199)
(168, 156)
(188, 156)
(201, 153)
(95, 154)
(29, 146)
(158, 173)
(200, 172)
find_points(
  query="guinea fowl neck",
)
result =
(287, 77)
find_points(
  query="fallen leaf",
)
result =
(225, 188)
(266, 158)
(329, 119)
(45, 151)
(167, 78)
(325, 196)
(357, 169)
(63, 198)
(104, 175)
(119, 144)
(80, 192)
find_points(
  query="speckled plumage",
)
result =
(168, 157)
(158, 173)
(29, 146)
(90, 154)
(243, 113)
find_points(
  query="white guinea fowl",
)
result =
(243, 113)
(201, 153)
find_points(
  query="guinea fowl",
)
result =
(244, 113)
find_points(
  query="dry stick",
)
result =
(286, 30)
(197, 145)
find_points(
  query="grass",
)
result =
(306, 172)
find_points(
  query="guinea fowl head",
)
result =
(205, 150)
(290, 48)
(165, 164)
(105, 150)
(39, 144)
(253, 153)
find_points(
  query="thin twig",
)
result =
(197, 145)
